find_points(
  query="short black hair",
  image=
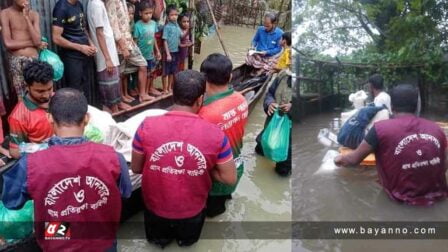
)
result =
(188, 86)
(271, 17)
(181, 16)
(37, 71)
(68, 106)
(377, 81)
(287, 36)
(217, 69)
(404, 98)
(170, 8)
(146, 5)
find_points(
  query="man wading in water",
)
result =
(178, 164)
(229, 110)
(411, 152)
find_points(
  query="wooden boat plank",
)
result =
(368, 161)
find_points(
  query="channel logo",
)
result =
(56, 230)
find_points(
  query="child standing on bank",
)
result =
(171, 41)
(185, 41)
(144, 34)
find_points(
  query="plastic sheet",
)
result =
(328, 165)
(327, 138)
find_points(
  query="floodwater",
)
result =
(261, 194)
(348, 194)
(237, 41)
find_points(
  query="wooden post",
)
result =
(297, 103)
(217, 28)
(280, 11)
(191, 6)
(319, 88)
(339, 88)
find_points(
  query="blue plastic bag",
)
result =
(275, 139)
(54, 60)
(352, 132)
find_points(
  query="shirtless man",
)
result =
(22, 38)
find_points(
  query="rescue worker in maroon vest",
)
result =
(411, 152)
(179, 154)
(77, 185)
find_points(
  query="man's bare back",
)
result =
(17, 33)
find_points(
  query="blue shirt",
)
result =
(172, 34)
(144, 34)
(15, 192)
(268, 42)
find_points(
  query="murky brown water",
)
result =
(348, 195)
(261, 194)
(236, 39)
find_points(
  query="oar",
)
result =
(217, 28)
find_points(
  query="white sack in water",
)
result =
(122, 135)
(101, 120)
(328, 165)
(358, 99)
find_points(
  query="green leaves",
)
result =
(397, 37)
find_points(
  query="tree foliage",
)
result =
(390, 34)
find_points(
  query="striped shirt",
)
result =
(28, 124)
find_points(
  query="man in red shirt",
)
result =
(178, 163)
(28, 121)
(229, 110)
(411, 152)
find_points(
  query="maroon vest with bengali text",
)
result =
(177, 171)
(411, 160)
(77, 199)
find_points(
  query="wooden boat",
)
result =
(134, 204)
(239, 75)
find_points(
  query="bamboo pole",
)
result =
(217, 28)
(192, 32)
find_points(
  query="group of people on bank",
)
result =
(112, 38)
(102, 37)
